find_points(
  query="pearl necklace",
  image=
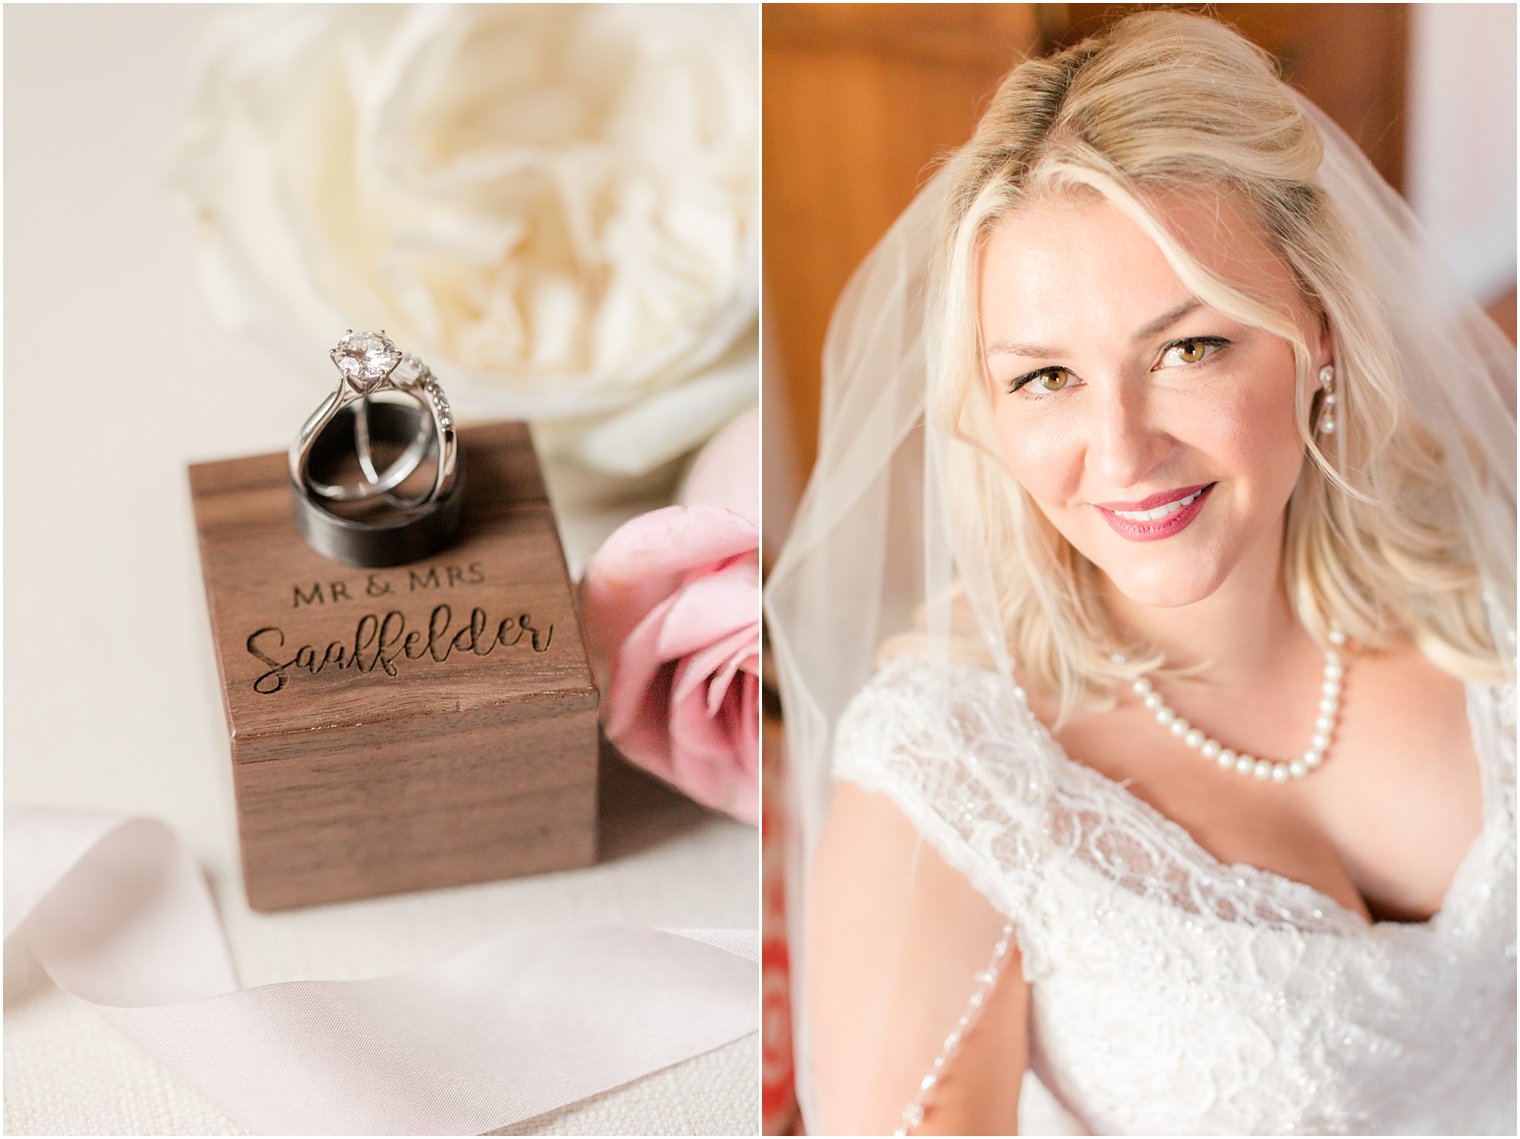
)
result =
(1243, 762)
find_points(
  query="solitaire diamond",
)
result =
(365, 358)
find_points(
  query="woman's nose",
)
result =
(1124, 444)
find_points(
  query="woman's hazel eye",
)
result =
(1193, 350)
(1044, 382)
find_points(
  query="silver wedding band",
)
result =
(399, 536)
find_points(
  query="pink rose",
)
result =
(672, 610)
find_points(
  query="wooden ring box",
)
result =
(398, 729)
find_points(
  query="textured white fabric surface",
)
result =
(1265, 1008)
(111, 698)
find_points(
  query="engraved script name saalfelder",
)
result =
(381, 641)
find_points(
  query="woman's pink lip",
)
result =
(1160, 498)
(1173, 523)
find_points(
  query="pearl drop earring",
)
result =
(1327, 401)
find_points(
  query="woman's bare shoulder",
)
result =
(1400, 685)
(897, 938)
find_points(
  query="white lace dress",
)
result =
(1173, 994)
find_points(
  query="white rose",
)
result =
(556, 206)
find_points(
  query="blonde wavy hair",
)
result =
(1164, 101)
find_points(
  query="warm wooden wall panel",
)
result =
(859, 102)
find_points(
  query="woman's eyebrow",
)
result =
(1154, 328)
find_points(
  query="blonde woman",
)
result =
(1147, 635)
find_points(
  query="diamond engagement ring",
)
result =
(370, 364)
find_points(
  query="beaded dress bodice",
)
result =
(1173, 994)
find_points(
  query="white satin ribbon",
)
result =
(119, 914)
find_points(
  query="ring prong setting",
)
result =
(365, 359)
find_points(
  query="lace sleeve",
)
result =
(944, 744)
(939, 744)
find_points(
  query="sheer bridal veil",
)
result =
(880, 556)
